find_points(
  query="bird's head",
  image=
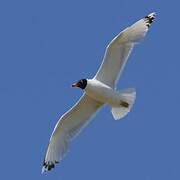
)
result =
(82, 83)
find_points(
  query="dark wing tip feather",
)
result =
(149, 19)
(47, 166)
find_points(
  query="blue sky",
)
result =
(47, 45)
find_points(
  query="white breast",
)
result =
(101, 92)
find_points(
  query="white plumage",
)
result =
(98, 91)
(119, 49)
(68, 126)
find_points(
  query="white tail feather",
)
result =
(128, 96)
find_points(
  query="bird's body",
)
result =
(103, 93)
(98, 91)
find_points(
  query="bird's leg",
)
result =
(124, 104)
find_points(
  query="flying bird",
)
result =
(98, 91)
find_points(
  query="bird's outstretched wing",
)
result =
(67, 127)
(119, 49)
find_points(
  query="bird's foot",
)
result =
(124, 104)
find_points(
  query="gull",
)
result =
(98, 91)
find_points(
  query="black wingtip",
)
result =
(149, 19)
(47, 166)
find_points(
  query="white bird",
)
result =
(98, 91)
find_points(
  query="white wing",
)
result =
(119, 49)
(67, 127)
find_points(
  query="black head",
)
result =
(82, 83)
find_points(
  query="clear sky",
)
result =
(47, 45)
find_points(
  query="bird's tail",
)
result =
(128, 97)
